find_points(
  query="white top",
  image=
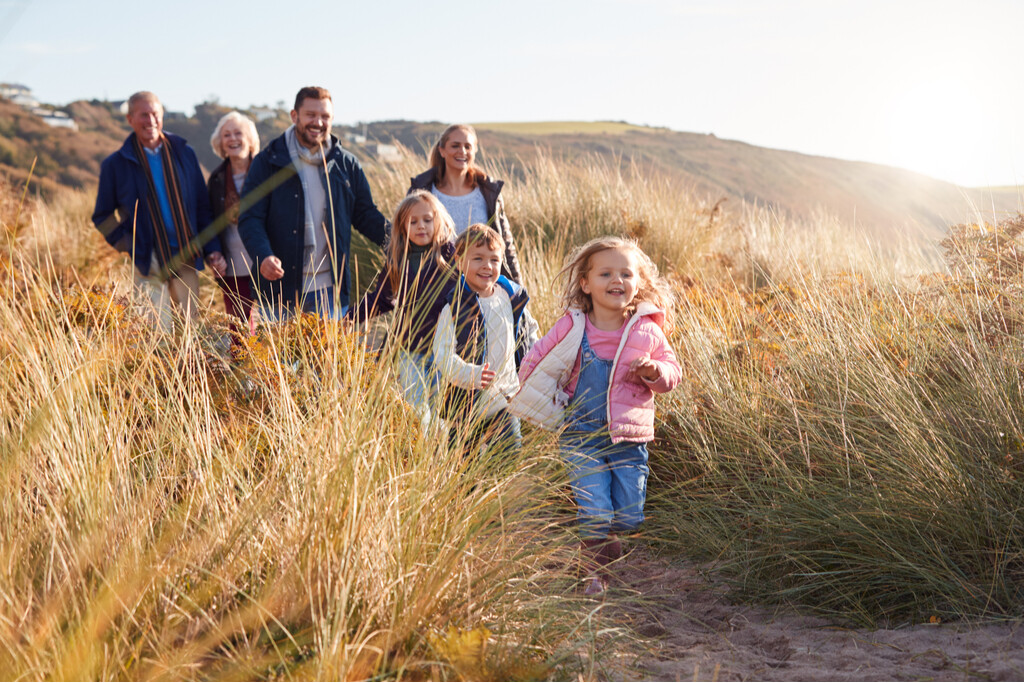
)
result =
(499, 354)
(239, 263)
(465, 210)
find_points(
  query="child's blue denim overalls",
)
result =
(609, 480)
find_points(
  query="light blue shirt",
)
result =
(156, 167)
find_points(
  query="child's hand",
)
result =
(486, 376)
(644, 368)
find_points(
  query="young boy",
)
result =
(482, 335)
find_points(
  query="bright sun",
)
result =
(943, 129)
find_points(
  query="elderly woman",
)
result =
(236, 141)
(469, 194)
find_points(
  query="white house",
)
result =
(60, 119)
(384, 152)
(10, 90)
(262, 114)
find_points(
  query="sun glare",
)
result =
(943, 129)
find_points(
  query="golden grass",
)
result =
(848, 438)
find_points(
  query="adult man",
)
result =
(305, 193)
(152, 203)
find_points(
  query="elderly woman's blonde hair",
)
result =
(244, 122)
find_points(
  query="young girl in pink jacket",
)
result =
(594, 374)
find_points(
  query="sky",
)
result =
(933, 86)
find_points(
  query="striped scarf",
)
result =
(188, 248)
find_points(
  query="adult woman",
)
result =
(236, 141)
(469, 194)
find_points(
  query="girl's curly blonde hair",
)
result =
(651, 286)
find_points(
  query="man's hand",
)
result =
(270, 268)
(644, 368)
(215, 260)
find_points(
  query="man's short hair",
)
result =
(479, 235)
(143, 96)
(311, 91)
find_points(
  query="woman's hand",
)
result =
(216, 261)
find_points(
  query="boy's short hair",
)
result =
(479, 235)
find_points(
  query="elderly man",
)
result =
(152, 203)
(303, 195)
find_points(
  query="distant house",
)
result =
(355, 138)
(60, 119)
(12, 90)
(262, 114)
(18, 94)
(384, 152)
(22, 96)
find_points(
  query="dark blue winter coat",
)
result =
(123, 187)
(274, 210)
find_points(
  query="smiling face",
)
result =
(420, 228)
(234, 143)
(612, 281)
(481, 265)
(146, 118)
(313, 122)
(458, 152)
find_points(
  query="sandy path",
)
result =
(695, 633)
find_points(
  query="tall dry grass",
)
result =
(853, 443)
(848, 438)
(168, 515)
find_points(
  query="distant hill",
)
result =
(70, 158)
(876, 198)
(62, 156)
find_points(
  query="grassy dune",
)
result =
(848, 439)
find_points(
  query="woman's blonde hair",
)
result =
(247, 126)
(437, 161)
(650, 285)
(398, 247)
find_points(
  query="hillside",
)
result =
(63, 157)
(878, 199)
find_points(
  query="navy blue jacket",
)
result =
(123, 187)
(274, 210)
(432, 287)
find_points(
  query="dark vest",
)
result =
(471, 337)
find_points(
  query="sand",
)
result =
(692, 631)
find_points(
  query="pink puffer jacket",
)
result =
(548, 375)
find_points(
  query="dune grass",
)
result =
(848, 439)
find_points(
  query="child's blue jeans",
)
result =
(609, 482)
